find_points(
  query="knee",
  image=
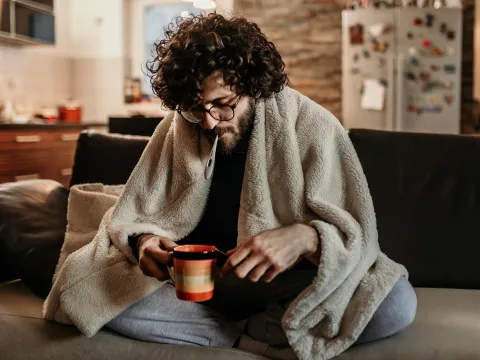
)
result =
(410, 301)
(394, 314)
(403, 307)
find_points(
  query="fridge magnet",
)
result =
(448, 100)
(424, 76)
(434, 67)
(450, 69)
(436, 51)
(366, 54)
(373, 97)
(381, 61)
(451, 51)
(413, 51)
(427, 86)
(379, 47)
(451, 35)
(356, 34)
(417, 21)
(429, 20)
(410, 35)
(410, 108)
(414, 60)
(355, 71)
(356, 57)
(419, 110)
(443, 28)
(410, 76)
(434, 99)
(432, 108)
(379, 29)
(448, 84)
(427, 43)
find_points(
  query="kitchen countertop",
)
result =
(33, 126)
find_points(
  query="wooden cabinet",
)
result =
(27, 22)
(38, 153)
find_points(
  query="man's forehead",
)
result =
(214, 87)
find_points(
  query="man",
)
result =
(288, 202)
(234, 66)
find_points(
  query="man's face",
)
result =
(216, 92)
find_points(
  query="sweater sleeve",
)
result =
(133, 243)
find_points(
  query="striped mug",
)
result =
(192, 271)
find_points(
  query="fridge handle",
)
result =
(398, 124)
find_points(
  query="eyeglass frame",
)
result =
(233, 107)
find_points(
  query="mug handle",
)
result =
(171, 269)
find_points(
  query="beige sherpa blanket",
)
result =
(300, 168)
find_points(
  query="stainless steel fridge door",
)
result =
(372, 58)
(429, 44)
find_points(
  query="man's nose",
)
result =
(209, 122)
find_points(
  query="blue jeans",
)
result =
(161, 317)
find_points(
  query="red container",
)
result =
(70, 114)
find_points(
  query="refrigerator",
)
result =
(402, 69)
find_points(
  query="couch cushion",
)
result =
(106, 158)
(447, 327)
(426, 192)
(33, 218)
(25, 336)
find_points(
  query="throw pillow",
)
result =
(33, 219)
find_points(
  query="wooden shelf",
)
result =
(17, 39)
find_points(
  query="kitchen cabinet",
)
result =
(27, 22)
(39, 151)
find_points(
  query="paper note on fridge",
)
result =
(379, 29)
(373, 97)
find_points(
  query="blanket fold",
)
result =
(290, 177)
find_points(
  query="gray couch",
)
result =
(426, 190)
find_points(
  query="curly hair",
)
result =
(195, 47)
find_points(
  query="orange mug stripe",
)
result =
(194, 264)
(194, 297)
(193, 272)
(194, 288)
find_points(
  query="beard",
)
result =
(231, 134)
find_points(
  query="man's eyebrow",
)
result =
(217, 99)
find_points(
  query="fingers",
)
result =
(158, 255)
(236, 258)
(271, 274)
(167, 244)
(231, 251)
(247, 265)
(150, 268)
(259, 271)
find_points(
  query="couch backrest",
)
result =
(106, 158)
(425, 188)
(426, 192)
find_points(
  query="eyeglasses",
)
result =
(218, 112)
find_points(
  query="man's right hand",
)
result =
(154, 254)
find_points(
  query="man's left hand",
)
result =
(269, 253)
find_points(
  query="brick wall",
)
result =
(314, 58)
